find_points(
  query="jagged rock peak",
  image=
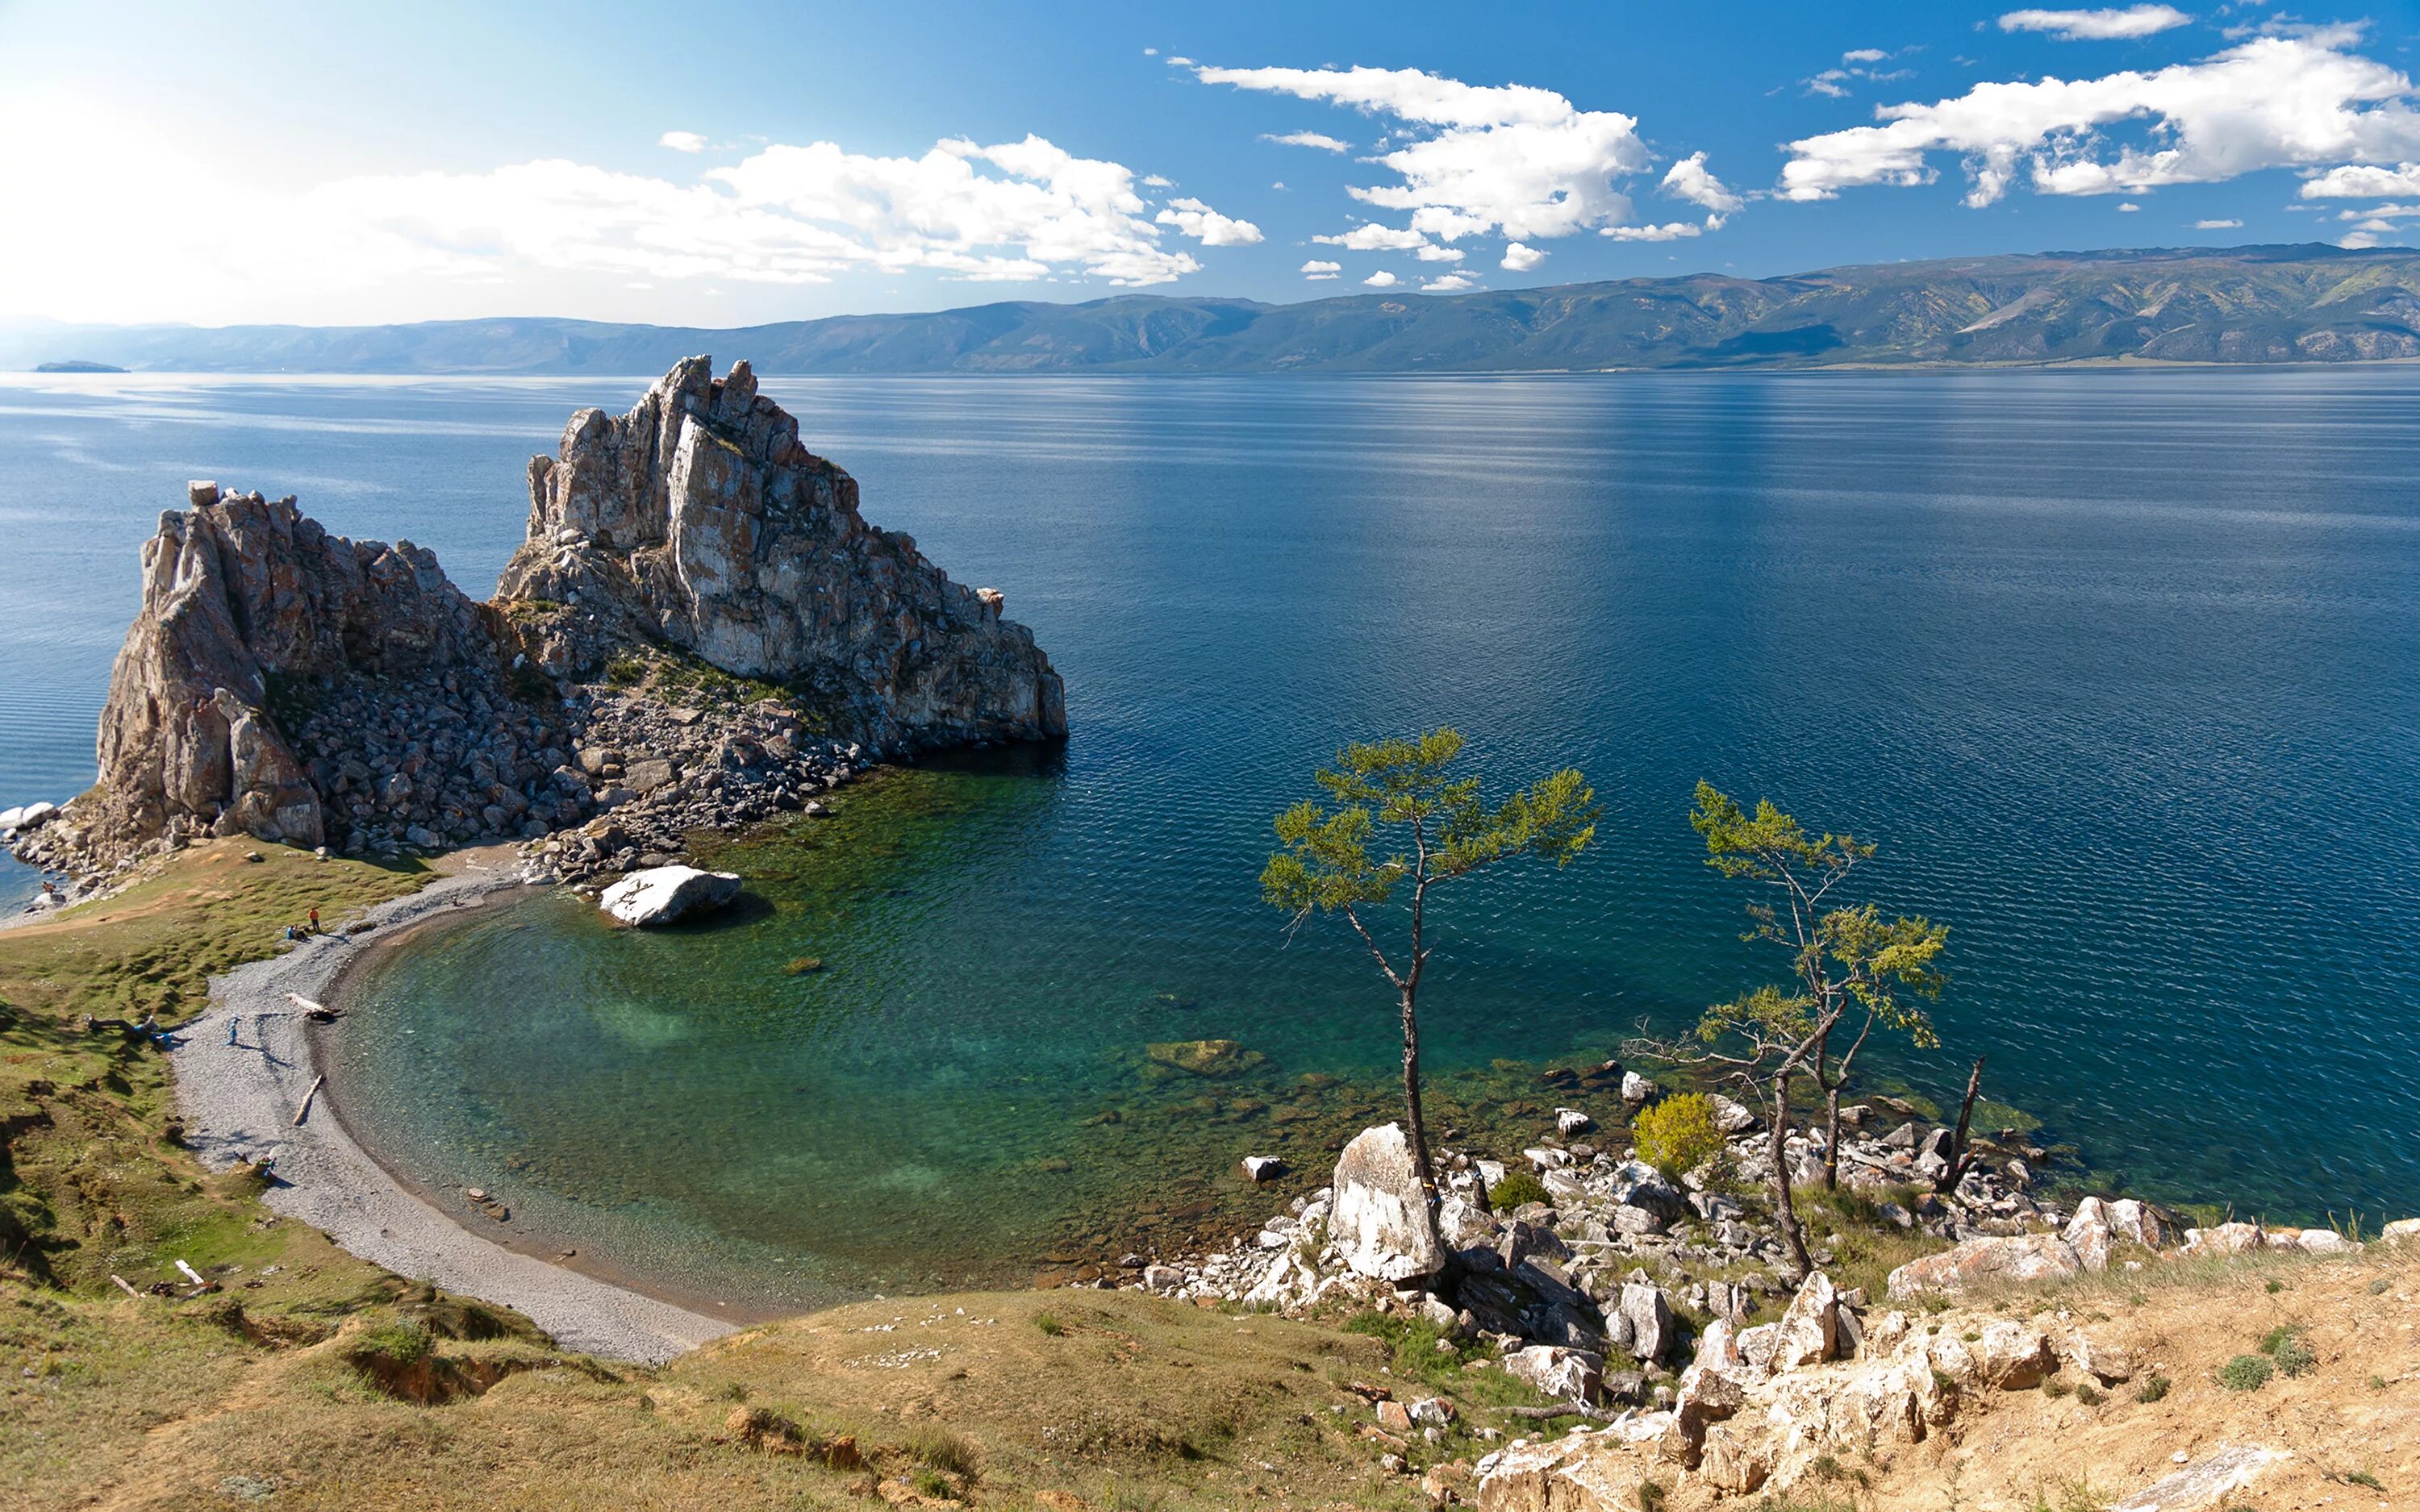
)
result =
(698, 518)
(238, 590)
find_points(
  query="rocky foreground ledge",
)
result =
(700, 630)
(1668, 1311)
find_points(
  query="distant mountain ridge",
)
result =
(2296, 303)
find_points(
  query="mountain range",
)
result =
(2294, 303)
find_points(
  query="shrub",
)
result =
(1048, 1323)
(945, 1452)
(2275, 1286)
(2364, 1479)
(1678, 1133)
(2246, 1372)
(1518, 1187)
(2153, 1389)
(2295, 1355)
(1651, 1496)
(2089, 1395)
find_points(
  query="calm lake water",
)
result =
(2122, 670)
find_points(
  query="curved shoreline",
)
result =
(242, 1070)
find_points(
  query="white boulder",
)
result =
(665, 893)
(1379, 1220)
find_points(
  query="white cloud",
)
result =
(1449, 284)
(1519, 258)
(1310, 139)
(1372, 237)
(1864, 55)
(1316, 270)
(1670, 231)
(1441, 255)
(682, 141)
(2380, 212)
(1476, 158)
(2096, 25)
(1153, 181)
(1382, 279)
(1206, 225)
(2359, 241)
(2361, 183)
(2217, 226)
(1689, 180)
(437, 243)
(2274, 101)
(2129, 208)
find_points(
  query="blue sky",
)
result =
(722, 164)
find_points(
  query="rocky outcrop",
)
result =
(242, 598)
(699, 519)
(286, 683)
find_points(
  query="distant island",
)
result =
(2310, 302)
(76, 366)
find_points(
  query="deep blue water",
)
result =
(2119, 668)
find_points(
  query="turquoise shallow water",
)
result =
(2118, 667)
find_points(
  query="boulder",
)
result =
(1258, 1168)
(1649, 1313)
(1204, 1057)
(1378, 1221)
(1564, 1374)
(30, 816)
(2090, 1234)
(1732, 1117)
(2224, 1239)
(2132, 1222)
(667, 893)
(2402, 1231)
(1809, 1331)
(2205, 1483)
(1570, 1122)
(1636, 1088)
(2017, 1258)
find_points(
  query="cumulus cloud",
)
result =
(1441, 255)
(682, 141)
(1689, 180)
(1382, 279)
(2096, 25)
(2356, 181)
(786, 215)
(2272, 101)
(2377, 216)
(1153, 181)
(1206, 225)
(2217, 226)
(1864, 55)
(1310, 139)
(1449, 284)
(1519, 258)
(1315, 269)
(2129, 208)
(1472, 158)
(1372, 237)
(1670, 231)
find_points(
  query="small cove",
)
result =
(2119, 668)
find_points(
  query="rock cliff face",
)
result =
(698, 518)
(302, 687)
(241, 594)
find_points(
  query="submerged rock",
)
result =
(668, 893)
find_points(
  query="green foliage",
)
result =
(2286, 1345)
(944, 1451)
(1325, 862)
(1050, 1323)
(2246, 1372)
(1517, 1189)
(2155, 1389)
(400, 1344)
(1414, 1341)
(1651, 1496)
(2364, 1479)
(1677, 1135)
(625, 670)
(2089, 1395)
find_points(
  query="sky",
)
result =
(722, 164)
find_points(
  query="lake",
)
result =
(2119, 669)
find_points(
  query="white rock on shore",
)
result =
(1378, 1223)
(666, 893)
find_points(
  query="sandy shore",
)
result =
(239, 1101)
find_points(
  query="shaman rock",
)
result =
(1380, 1220)
(699, 518)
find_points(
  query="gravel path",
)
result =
(238, 1102)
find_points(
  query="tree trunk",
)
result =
(1415, 1123)
(1782, 1213)
(1947, 1181)
(1832, 1138)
